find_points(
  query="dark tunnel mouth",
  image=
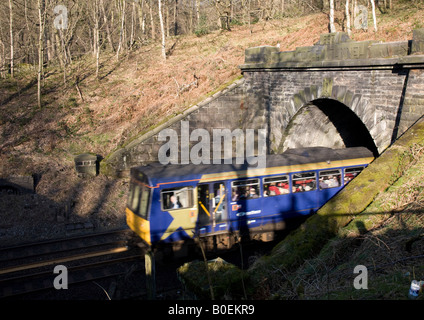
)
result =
(350, 127)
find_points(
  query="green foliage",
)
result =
(202, 27)
(236, 22)
(226, 279)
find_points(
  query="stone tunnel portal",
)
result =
(327, 123)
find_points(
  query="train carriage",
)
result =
(172, 203)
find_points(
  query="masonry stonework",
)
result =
(381, 84)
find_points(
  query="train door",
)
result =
(212, 206)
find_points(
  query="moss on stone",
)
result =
(314, 234)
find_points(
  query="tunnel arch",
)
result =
(329, 123)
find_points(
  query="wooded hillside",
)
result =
(39, 32)
(95, 101)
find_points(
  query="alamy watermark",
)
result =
(207, 150)
(61, 19)
(60, 22)
(361, 280)
(361, 17)
(60, 281)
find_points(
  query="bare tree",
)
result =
(133, 22)
(27, 34)
(373, 15)
(197, 12)
(106, 22)
(175, 17)
(12, 48)
(332, 27)
(96, 34)
(41, 19)
(162, 30)
(2, 60)
(167, 28)
(348, 18)
(122, 30)
(152, 21)
(142, 17)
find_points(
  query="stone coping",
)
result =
(337, 50)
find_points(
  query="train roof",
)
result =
(158, 172)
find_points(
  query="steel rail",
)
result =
(63, 260)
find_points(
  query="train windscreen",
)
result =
(138, 200)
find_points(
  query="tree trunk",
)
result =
(348, 18)
(12, 49)
(373, 15)
(63, 60)
(332, 27)
(162, 30)
(152, 21)
(41, 17)
(2, 60)
(176, 18)
(197, 12)
(167, 19)
(133, 22)
(121, 33)
(96, 35)
(141, 17)
(105, 19)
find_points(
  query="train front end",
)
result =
(139, 201)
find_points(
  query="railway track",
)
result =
(29, 268)
(110, 260)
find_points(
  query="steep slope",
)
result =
(131, 96)
(376, 221)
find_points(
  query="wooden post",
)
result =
(149, 263)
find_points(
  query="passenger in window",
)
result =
(348, 177)
(252, 194)
(175, 203)
(283, 188)
(273, 190)
(332, 182)
(322, 183)
(235, 195)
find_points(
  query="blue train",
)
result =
(173, 203)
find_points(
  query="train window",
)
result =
(138, 201)
(177, 198)
(350, 173)
(144, 203)
(245, 189)
(304, 181)
(135, 196)
(329, 179)
(274, 186)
